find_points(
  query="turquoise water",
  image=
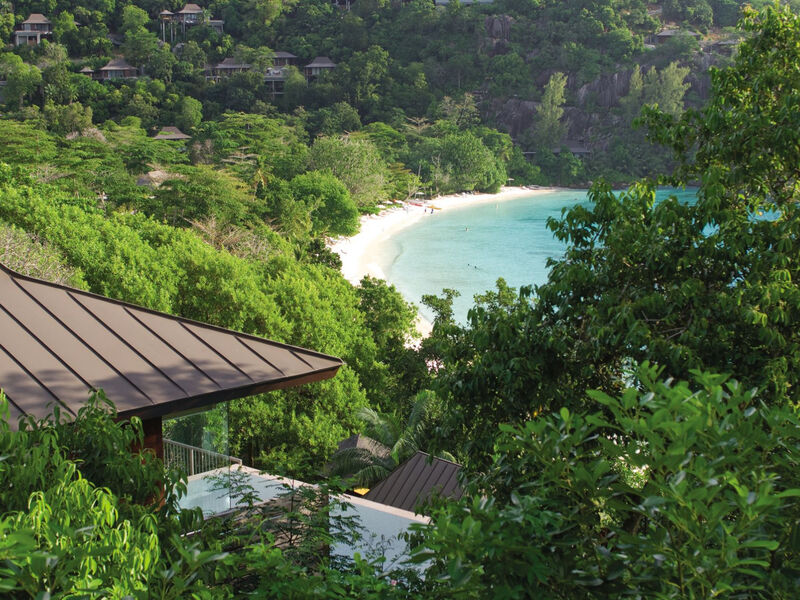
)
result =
(468, 248)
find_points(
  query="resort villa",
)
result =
(117, 68)
(189, 16)
(34, 29)
(319, 65)
(61, 344)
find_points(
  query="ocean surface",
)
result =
(469, 248)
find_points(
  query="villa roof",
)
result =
(416, 480)
(282, 54)
(365, 443)
(87, 70)
(674, 32)
(171, 133)
(166, 12)
(59, 344)
(321, 61)
(232, 63)
(117, 64)
(190, 9)
(36, 18)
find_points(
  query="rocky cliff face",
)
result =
(605, 91)
(498, 34)
(590, 111)
(498, 27)
(513, 115)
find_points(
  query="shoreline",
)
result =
(355, 252)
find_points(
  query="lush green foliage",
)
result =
(744, 144)
(261, 290)
(395, 61)
(641, 487)
(83, 514)
(705, 285)
(332, 209)
(651, 497)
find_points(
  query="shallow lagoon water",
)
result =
(469, 248)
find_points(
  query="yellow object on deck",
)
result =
(361, 491)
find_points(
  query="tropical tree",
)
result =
(188, 113)
(77, 510)
(332, 210)
(550, 129)
(647, 494)
(664, 89)
(356, 162)
(6, 19)
(70, 118)
(22, 79)
(746, 138)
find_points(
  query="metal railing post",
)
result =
(195, 460)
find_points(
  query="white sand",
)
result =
(356, 252)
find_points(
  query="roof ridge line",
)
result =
(164, 313)
(36, 379)
(134, 350)
(130, 312)
(214, 350)
(81, 340)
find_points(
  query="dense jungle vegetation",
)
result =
(434, 88)
(628, 428)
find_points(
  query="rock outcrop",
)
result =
(605, 91)
(498, 27)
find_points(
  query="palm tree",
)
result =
(387, 442)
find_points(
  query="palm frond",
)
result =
(369, 476)
(381, 427)
(350, 460)
(446, 456)
(406, 446)
(423, 403)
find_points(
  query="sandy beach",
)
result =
(356, 252)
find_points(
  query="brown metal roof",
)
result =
(416, 480)
(57, 344)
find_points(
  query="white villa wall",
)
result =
(381, 524)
